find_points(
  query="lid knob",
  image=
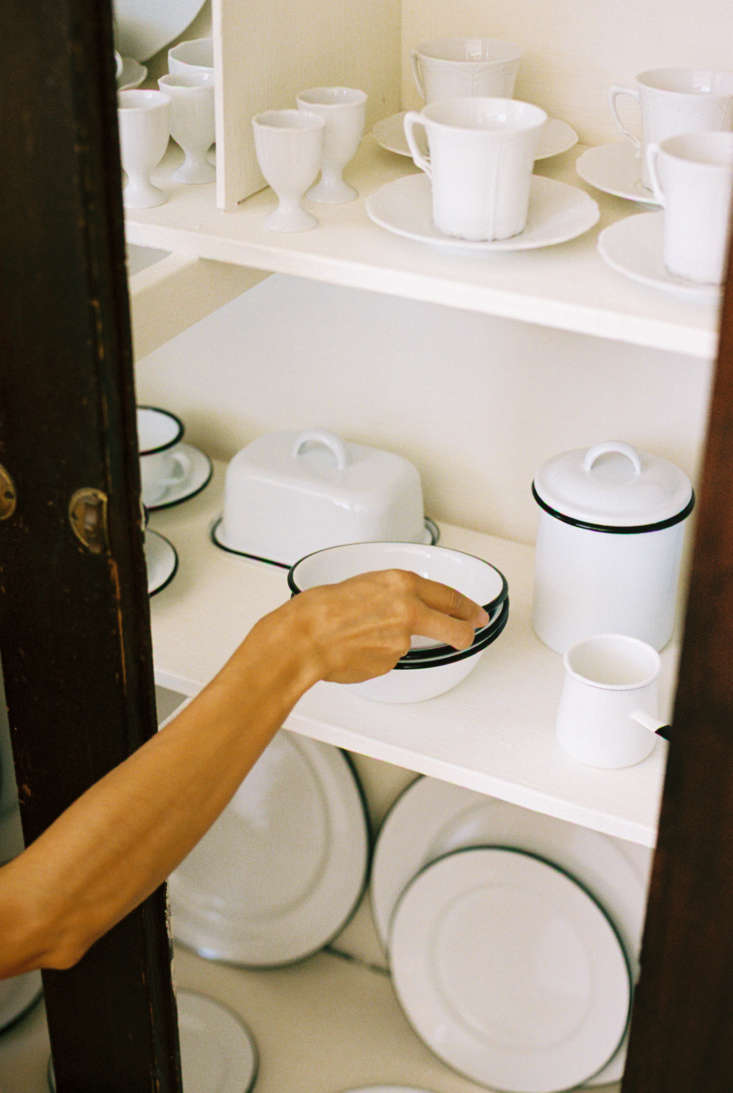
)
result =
(615, 447)
(325, 439)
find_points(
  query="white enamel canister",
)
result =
(609, 545)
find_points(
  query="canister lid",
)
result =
(613, 487)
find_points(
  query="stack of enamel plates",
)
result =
(283, 868)
(512, 937)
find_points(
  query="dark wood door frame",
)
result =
(74, 623)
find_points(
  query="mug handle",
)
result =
(614, 92)
(652, 153)
(416, 73)
(183, 465)
(653, 724)
(413, 118)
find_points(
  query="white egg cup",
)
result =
(191, 125)
(143, 126)
(289, 146)
(343, 110)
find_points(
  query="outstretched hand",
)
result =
(360, 627)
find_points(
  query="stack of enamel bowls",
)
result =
(429, 668)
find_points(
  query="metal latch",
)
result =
(88, 517)
(8, 496)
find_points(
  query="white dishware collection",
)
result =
(171, 471)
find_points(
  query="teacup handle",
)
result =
(183, 466)
(653, 724)
(416, 73)
(413, 118)
(613, 94)
(652, 153)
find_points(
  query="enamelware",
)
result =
(609, 543)
(557, 213)
(196, 478)
(284, 866)
(18, 995)
(481, 156)
(143, 124)
(163, 462)
(608, 711)
(448, 68)
(191, 125)
(289, 148)
(673, 101)
(556, 136)
(509, 971)
(692, 177)
(343, 110)
(161, 560)
(615, 169)
(634, 247)
(218, 1052)
(291, 492)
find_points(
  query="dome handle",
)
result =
(612, 446)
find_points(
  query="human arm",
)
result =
(122, 838)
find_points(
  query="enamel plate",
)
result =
(283, 868)
(161, 561)
(218, 1053)
(557, 212)
(432, 818)
(17, 995)
(509, 971)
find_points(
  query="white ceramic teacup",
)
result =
(482, 153)
(673, 101)
(451, 68)
(162, 464)
(289, 147)
(343, 110)
(191, 124)
(143, 124)
(692, 177)
(608, 709)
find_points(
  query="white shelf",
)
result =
(566, 286)
(494, 733)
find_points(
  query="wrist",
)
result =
(281, 649)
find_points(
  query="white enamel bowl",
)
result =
(474, 577)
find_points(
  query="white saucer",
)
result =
(283, 868)
(218, 1053)
(387, 1089)
(132, 75)
(195, 481)
(509, 971)
(17, 995)
(161, 559)
(615, 169)
(557, 212)
(430, 537)
(634, 246)
(556, 137)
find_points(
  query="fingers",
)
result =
(435, 624)
(449, 601)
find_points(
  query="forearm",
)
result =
(122, 838)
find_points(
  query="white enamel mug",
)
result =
(673, 101)
(692, 177)
(481, 157)
(162, 465)
(608, 712)
(451, 68)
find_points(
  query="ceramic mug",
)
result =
(482, 153)
(673, 101)
(607, 715)
(450, 68)
(692, 177)
(162, 465)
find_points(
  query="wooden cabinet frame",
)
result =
(74, 625)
